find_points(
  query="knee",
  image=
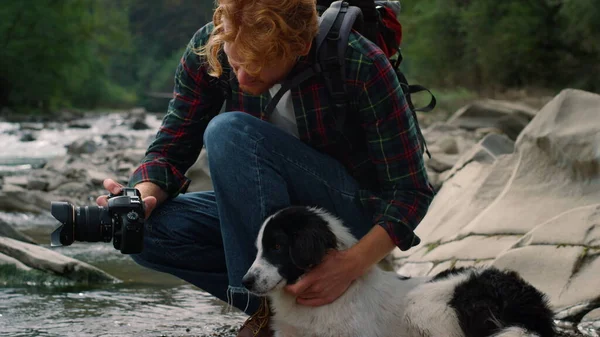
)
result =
(228, 132)
(226, 126)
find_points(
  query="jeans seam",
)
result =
(170, 209)
(258, 175)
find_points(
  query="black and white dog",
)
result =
(456, 303)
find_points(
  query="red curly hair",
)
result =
(262, 31)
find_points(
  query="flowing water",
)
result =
(146, 303)
(51, 138)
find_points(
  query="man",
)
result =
(371, 175)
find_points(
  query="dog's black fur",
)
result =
(296, 239)
(491, 299)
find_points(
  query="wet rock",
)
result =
(138, 119)
(139, 124)
(44, 180)
(38, 184)
(73, 188)
(60, 164)
(79, 125)
(118, 142)
(590, 323)
(32, 126)
(82, 146)
(11, 261)
(20, 181)
(46, 260)
(6, 230)
(27, 137)
(20, 200)
(96, 177)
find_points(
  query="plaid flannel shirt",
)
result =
(388, 166)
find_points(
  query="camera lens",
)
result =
(92, 224)
(89, 223)
(65, 213)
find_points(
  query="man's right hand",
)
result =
(151, 193)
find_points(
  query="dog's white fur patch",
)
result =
(515, 332)
(266, 275)
(428, 312)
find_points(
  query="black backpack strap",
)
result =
(332, 41)
(222, 83)
(325, 25)
(415, 88)
(330, 52)
(287, 85)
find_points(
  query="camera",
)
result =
(122, 221)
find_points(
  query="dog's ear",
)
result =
(310, 245)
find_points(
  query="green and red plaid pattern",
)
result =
(389, 167)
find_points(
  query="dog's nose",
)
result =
(248, 281)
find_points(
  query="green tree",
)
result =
(433, 41)
(161, 31)
(580, 40)
(57, 52)
(489, 44)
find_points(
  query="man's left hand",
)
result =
(328, 281)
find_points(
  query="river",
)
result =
(146, 303)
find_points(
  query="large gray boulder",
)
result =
(535, 210)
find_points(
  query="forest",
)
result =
(112, 54)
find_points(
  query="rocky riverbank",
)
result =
(529, 203)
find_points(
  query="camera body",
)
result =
(121, 221)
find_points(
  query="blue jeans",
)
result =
(208, 238)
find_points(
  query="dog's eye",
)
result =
(277, 246)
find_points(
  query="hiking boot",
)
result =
(257, 325)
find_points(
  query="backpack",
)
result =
(373, 19)
(376, 21)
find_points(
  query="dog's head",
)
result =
(289, 243)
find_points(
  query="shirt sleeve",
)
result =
(394, 147)
(180, 137)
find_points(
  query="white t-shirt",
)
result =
(283, 115)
